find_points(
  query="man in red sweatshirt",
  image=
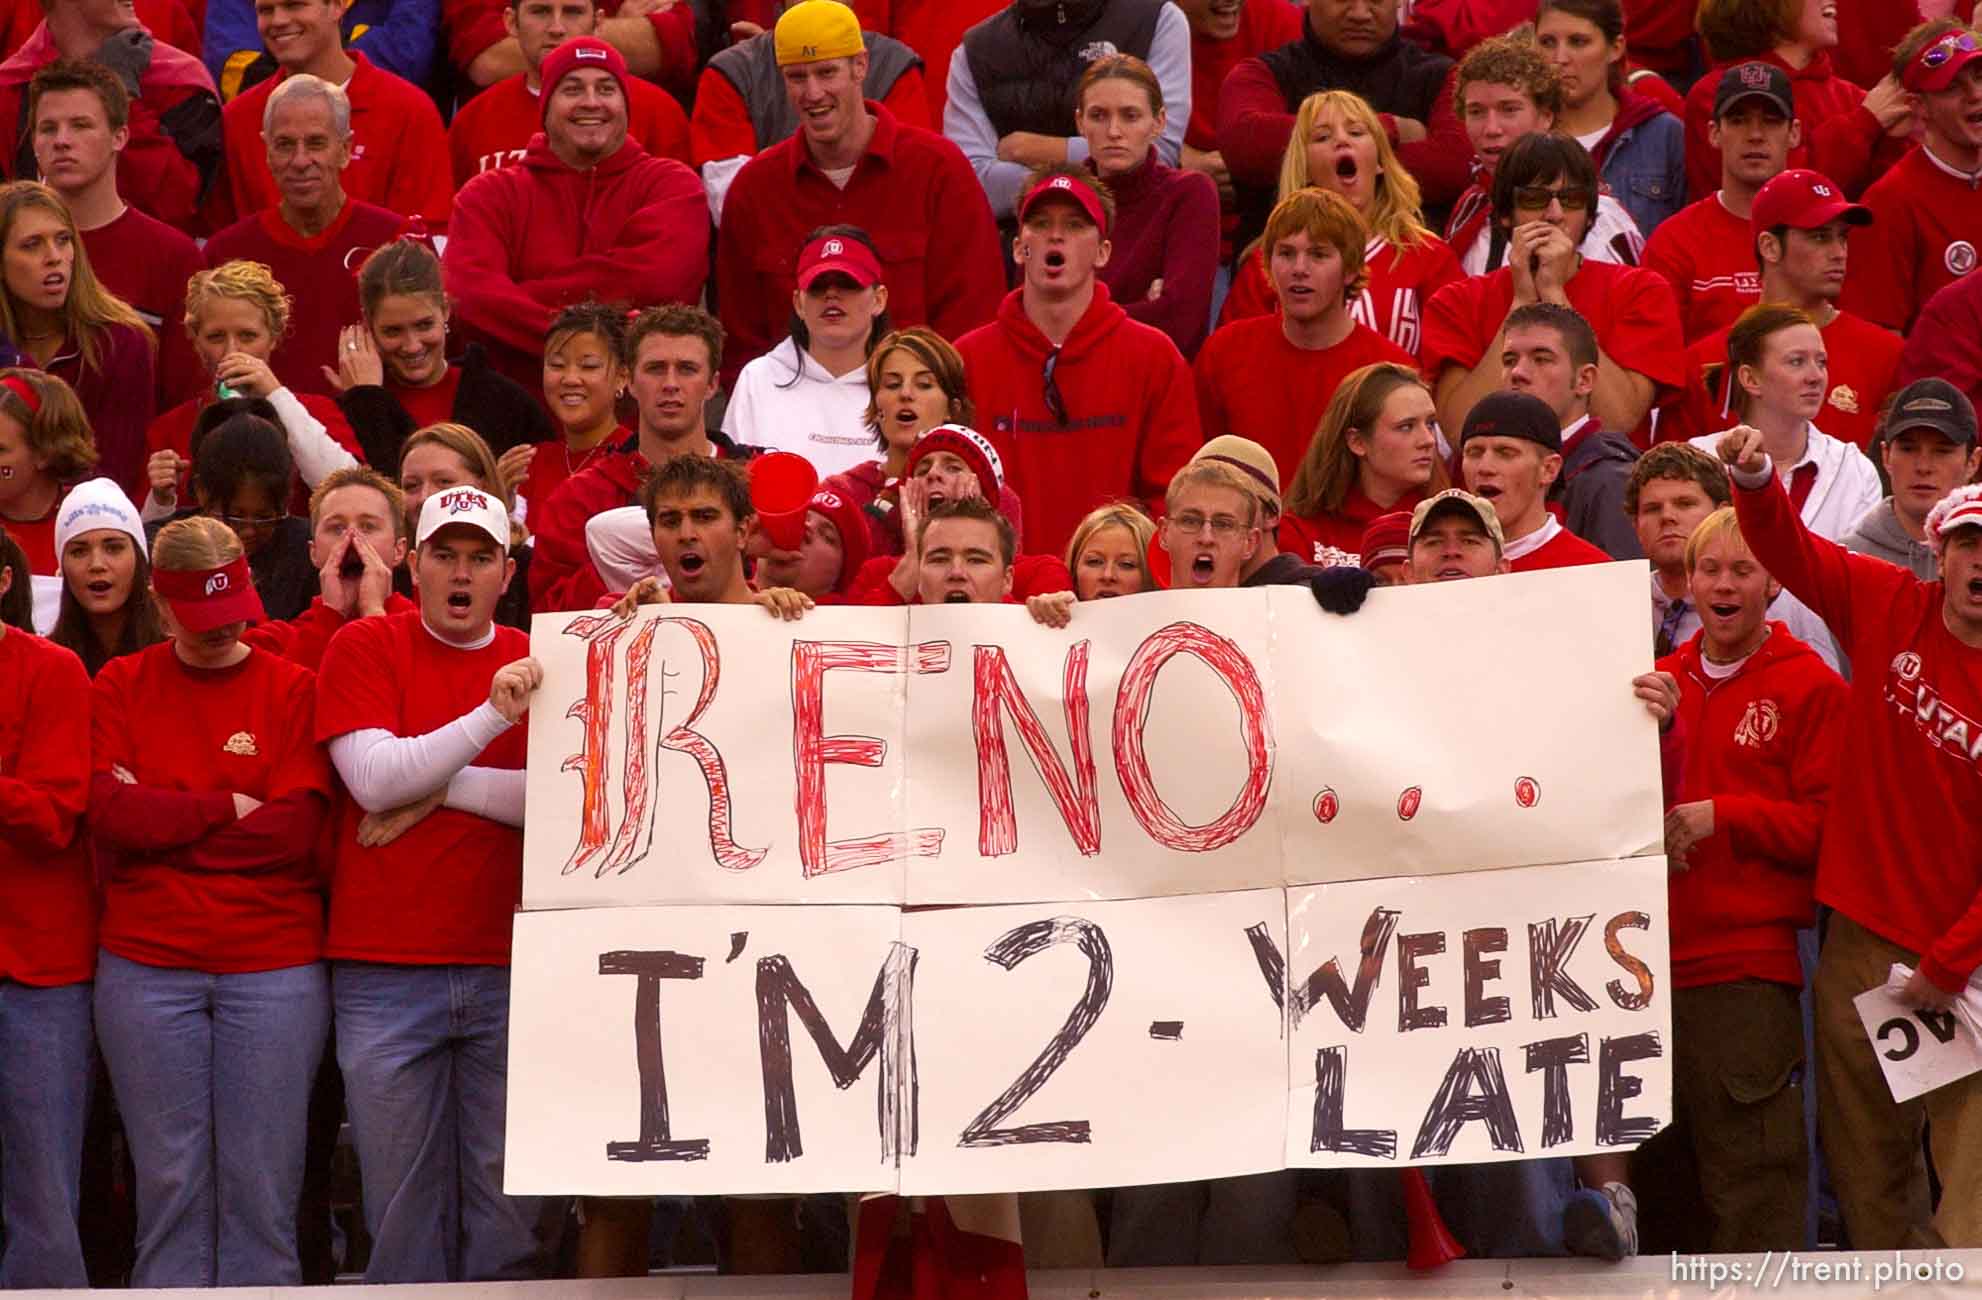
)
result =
(1511, 453)
(357, 540)
(1761, 715)
(1084, 404)
(494, 128)
(1270, 378)
(1927, 211)
(398, 146)
(675, 352)
(174, 155)
(1901, 860)
(851, 162)
(588, 213)
(1704, 250)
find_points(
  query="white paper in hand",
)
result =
(1919, 1050)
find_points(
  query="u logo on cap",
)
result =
(833, 248)
(589, 53)
(1059, 183)
(464, 499)
(216, 584)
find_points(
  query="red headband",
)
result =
(22, 389)
(204, 599)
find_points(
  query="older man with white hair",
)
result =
(315, 236)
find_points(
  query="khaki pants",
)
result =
(1874, 1143)
(1736, 1149)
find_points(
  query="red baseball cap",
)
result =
(1804, 200)
(837, 253)
(204, 599)
(1062, 186)
(1941, 61)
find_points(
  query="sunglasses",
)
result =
(1535, 198)
(1947, 47)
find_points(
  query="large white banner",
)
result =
(717, 987)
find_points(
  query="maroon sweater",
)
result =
(1166, 228)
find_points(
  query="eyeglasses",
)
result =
(1055, 402)
(1535, 198)
(251, 523)
(1947, 47)
(1191, 523)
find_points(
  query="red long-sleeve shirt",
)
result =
(303, 639)
(188, 884)
(1926, 228)
(1902, 841)
(1761, 746)
(48, 927)
(912, 191)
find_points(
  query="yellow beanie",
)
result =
(818, 29)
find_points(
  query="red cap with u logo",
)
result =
(849, 257)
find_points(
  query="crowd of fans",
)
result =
(342, 335)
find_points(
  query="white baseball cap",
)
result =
(464, 505)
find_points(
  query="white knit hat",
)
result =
(93, 504)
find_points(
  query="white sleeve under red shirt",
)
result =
(1707, 255)
(1902, 847)
(444, 892)
(1551, 547)
(1632, 310)
(187, 884)
(1925, 232)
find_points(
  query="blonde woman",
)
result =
(65, 322)
(212, 997)
(1339, 144)
(1109, 552)
(236, 314)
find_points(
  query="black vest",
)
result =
(1401, 79)
(752, 68)
(1027, 64)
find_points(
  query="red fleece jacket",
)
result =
(537, 236)
(1761, 746)
(1127, 418)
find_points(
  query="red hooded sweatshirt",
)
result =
(1762, 745)
(531, 238)
(1127, 419)
(1840, 138)
(1902, 842)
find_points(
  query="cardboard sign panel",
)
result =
(1095, 1044)
(1497, 1015)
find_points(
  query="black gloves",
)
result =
(1342, 588)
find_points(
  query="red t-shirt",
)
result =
(1707, 255)
(1864, 371)
(398, 148)
(555, 462)
(1632, 310)
(1926, 228)
(433, 404)
(320, 273)
(209, 734)
(442, 893)
(1401, 281)
(1251, 381)
(48, 927)
(494, 128)
(147, 263)
(37, 540)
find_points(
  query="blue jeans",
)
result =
(212, 1075)
(425, 1056)
(45, 1073)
